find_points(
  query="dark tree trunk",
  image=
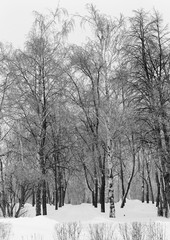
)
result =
(96, 193)
(49, 197)
(44, 197)
(60, 196)
(164, 197)
(63, 196)
(159, 202)
(131, 177)
(56, 161)
(167, 188)
(158, 190)
(93, 201)
(102, 193)
(56, 194)
(103, 182)
(22, 200)
(147, 192)
(149, 182)
(18, 210)
(143, 192)
(60, 188)
(143, 180)
(121, 173)
(61, 200)
(4, 203)
(38, 200)
(33, 197)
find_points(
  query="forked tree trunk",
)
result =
(88, 184)
(132, 174)
(149, 181)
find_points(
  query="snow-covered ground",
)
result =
(43, 227)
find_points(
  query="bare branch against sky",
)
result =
(16, 16)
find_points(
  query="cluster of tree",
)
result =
(98, 112)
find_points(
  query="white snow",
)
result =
(43, 227)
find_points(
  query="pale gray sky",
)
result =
(16, 16)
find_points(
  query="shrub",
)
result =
(68, 231)
(101, 232)
(5, 230)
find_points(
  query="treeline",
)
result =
(99, 111)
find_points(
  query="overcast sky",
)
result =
(16, 16)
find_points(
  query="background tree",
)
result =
(148, 53)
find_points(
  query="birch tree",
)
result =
(108, 41)
(97, 63)
(39, 77)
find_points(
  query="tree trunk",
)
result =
(122, 179)
(164, 197)
(44, 197)
(164, 185)
(167, 189)
(3, 207)
(111, 197)
(33, 197)
(149, 181)
(132, 174)
(49, 197)
(96, 192)
(56, 194)
(158, 189)
(121, 172)
(143, 191)
(38, 200)
(60, 188)
(143, 183)
(102, 193)
(22, 199)
(56, 160)
(62, 196)
(147, 192)
(110, 170)
(93, 198)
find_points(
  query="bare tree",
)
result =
(39, 77)
(148, 52)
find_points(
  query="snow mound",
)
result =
(43, 227)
